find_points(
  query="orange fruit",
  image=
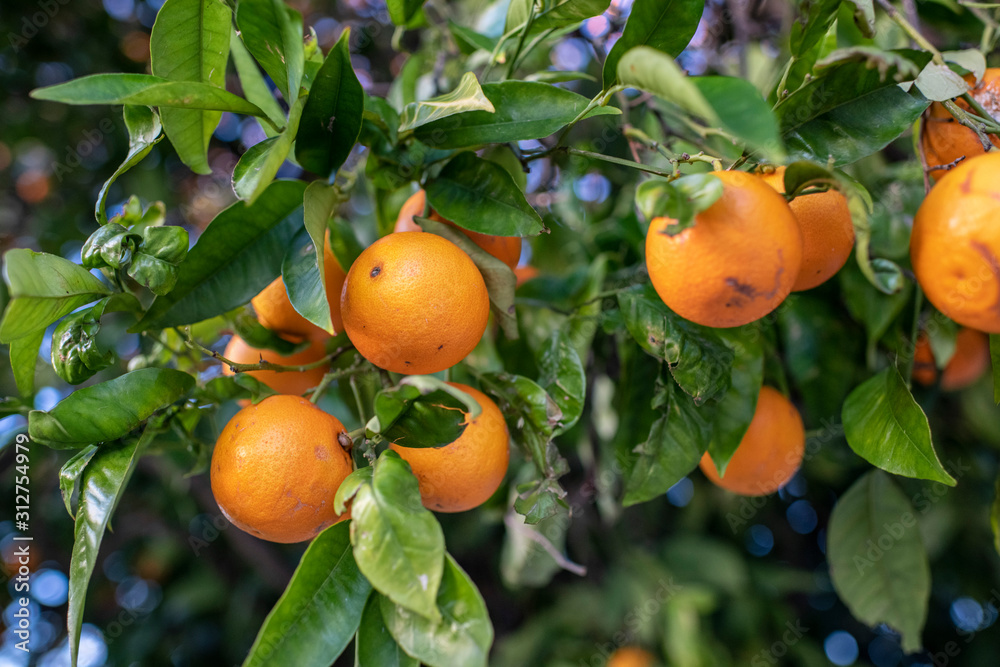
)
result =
(276, 468)
(955, 244)
(826, 228)
(736, 264)
(466, 472)
(970, 360)
(944, 139)
(414, 303)
(283, 382)
(631, 656)
(769, 453)
(505, 248)
(276, 312)
(525, 273)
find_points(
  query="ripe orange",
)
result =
(631, 656)
(827, 232)
(770, 451)
(736, 264)
(414, 303)
(944, 139)
(505, 248)
(275, 311)
(283, 382)
(465, 473)
(276, 468)
(970, 360)
(955, 244)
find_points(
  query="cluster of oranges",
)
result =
(411, 303)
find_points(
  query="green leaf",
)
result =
(401, 11)
(520, 110)
(886, 427)
(147, 90)
(561, 374)
(109, 410)
(871, 307)
(349, 487)
(467, 96)
(422, 411)
(939, 83)
(320, 610)
(398, 544)
(469, 41)
(699, 361)
(272, 32)
(736, 407)
(237, 256)
(190, 42)
(463, 635)
(655, 72)
(304, 280)
(246, 326)
(553, 14)
(101, 487)
(374, 644)
(43, 288)
(743, 113)
(255, 88)
(256, 170)
(524, 561)
(331, 121)
(675, 445)
(681, 199)
(480, 195)
(532, 418)
(847, 113)
(665, 25)
(70, 473)
(877, 560)
(24, 358)
(144, 132)
(501, 283)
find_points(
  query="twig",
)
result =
(512, 523)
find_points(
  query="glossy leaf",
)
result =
(236, 257)
(468, 40)
(101, 487)
(147, 90)
(464, 634)
(743, 113)
(272, 32)
(398, 544)
(24, 359)
(144, 132)
(645, 68)
(553, 13)
(422, 411)
(938, 83)
(480, 195)
(675, 445)
(561, 374)
(665, 25)
(246, 326)
(532, 417)
(736, 407)
(877, 560)
(70, 473)
(257, 168)
(331, 120)
(43, 288)
(190, 42)
(374, 644)
(849, 112)
(699, 361)
(255, 88)
(873, 309)
(109, 410)
(522, 110)
(320, 610)
(886, 427)
(681, 199)
(467, 96)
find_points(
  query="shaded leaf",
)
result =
(272, 32)
(561, 374)
(144, 129)
(255, 88)
(374, 644)
(24, 359)
(422, 411)
(70, 473)
(665, 25)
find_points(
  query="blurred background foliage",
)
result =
(699, 577)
